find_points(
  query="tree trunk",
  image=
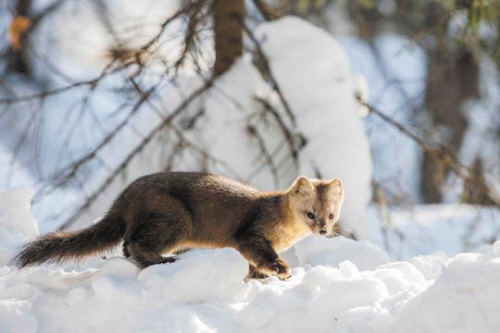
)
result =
(228, 29)
(451, 80)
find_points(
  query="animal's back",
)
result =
(212, 204)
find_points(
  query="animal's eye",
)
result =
(310, 215)
(331, 216)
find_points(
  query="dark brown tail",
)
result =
(60, 246)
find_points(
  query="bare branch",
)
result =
(264, 151)
(44, 94)
(164, 25)
(437, 151)
(290, 138)
(267, 13)
(189, 39)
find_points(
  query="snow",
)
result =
(460, 300)
(337, 285)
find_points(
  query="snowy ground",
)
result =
(337, 285)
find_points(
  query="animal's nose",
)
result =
(322, 232)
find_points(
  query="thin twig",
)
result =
(289, 136)
(265, 153)
(266, 12)
(189, 39)
(270, 75)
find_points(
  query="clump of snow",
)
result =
(17, 225)
(15, 211)
(336, 285)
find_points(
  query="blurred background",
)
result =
(400, 99)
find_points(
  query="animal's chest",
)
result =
(284, 236)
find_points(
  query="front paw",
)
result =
(280, 269)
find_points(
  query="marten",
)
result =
(166, 213)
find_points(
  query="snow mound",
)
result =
(463, 299)
(213, 275)
(332, 252)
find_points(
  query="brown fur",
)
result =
(170, 212)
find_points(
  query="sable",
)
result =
(167, 213)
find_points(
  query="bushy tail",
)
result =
(61, 246)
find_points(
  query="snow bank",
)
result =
(337, 285)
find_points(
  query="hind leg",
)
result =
(145, 257)
(147, 244)
(156, 231)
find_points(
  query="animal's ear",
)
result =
(336, 187)
(301, 186)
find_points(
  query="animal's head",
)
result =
(317, 203)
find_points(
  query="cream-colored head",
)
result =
(317, 203)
